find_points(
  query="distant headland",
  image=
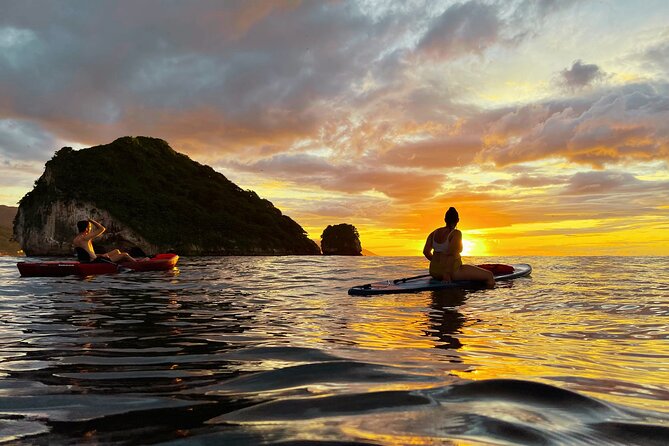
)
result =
(151, 196)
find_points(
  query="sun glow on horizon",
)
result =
(544, 144)
(472, 246)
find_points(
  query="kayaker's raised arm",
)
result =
(98, 230)
(88, 230)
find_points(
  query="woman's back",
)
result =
(441, 239)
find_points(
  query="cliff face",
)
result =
(150, 196)
(7, 245)
(48, 229)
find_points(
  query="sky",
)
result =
(545, 122)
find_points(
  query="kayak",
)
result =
(427, 283)
(160, 262)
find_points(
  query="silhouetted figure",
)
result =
(443, 247)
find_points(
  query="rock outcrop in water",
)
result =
(342, 240)
(149, 195)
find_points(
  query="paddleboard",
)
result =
(423, 283)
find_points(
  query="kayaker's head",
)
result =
(451, 218)
(82, 226)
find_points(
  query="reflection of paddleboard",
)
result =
(426, 283)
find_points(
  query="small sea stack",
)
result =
(341, 240)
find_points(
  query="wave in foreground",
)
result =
(331, 400)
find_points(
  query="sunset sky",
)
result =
(546, 123)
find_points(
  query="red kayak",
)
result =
(160, 262)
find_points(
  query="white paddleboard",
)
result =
(421, 283)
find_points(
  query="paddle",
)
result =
(406, 279)
(120, 268)
(396, 281)
(495, 268)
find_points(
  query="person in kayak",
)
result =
(443, 247)
(88, 230)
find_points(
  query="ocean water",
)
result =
(272, 350)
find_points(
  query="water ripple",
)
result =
(252, 350)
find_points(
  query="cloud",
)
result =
(251, 79)
(613, 182)
(25, 141)
(472, 27)
(580, 75)
(533, 181)
(375, 107)
(587, 195)
(532, 14)
(349, 178)
(618, 125)
(656, 57)
(433, 154)
(256, 68)
(24, 147)
(462, 29)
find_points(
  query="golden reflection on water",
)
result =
(596, 332)
(409, 321)
(577, 334)
(524, 350)
(392, 323)
(588, 337)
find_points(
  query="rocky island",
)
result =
(149, 195)
(342, 239)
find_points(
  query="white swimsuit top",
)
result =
(440, 247)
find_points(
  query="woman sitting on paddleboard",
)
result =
(443, 247)
(84, 241)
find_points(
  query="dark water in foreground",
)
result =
(251, 350)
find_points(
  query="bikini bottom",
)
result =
(438, 266)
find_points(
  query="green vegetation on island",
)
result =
(342, 239)
(164, 197)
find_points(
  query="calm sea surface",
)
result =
(253, 350)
